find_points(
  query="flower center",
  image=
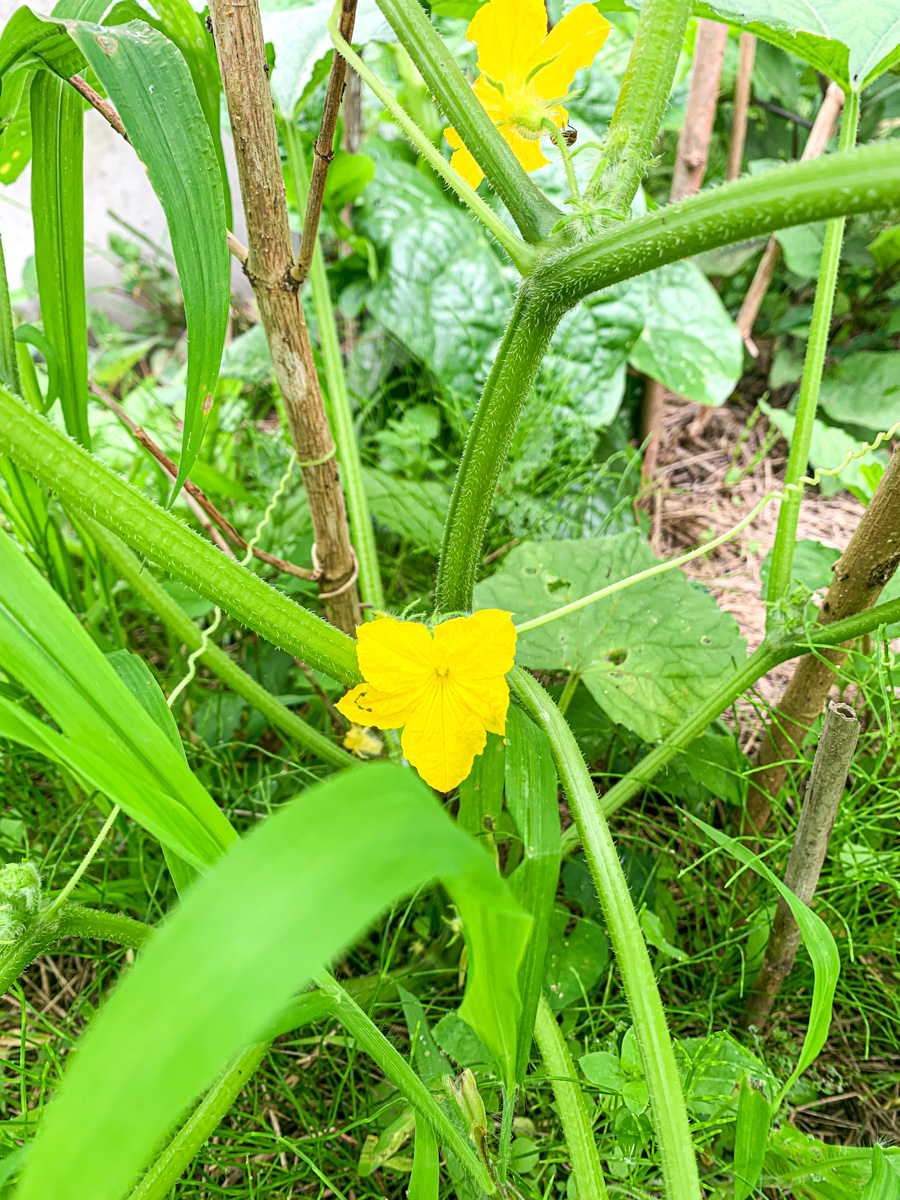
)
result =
(442, 671)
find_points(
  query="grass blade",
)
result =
(751, 1139)
(57, 205)
(531, 797)
(819, 942)
(149, 82)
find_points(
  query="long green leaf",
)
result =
(45, 647)
(531, 797)
(169, 822)
(57, 205)
(150, 83)
(147, 78)
(821, 945)
(250, 933)
(751, 1139)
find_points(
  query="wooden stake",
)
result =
(690, 167)
(743, 88)
(860, 574)
(834, 754)
(242, 58)
(819, 137)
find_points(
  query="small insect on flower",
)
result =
(526, 73)
(570, 133)
(362, 742)
(446, 690)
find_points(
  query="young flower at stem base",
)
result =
(525, 74)
(447, 690)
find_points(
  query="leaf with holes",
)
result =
(645, 653)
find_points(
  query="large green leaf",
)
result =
(853, 43)
(57, 206)
(110, 740)
(644, 653)
(414, 509)
(442, 292)
(150, 84)
(586, 364)
(863, 389)
(688, 342)
(228, 961)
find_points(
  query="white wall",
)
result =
(114, 180)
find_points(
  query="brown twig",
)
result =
(820, 136)
(109, 113)
(199, 503)
(242, 58)
(860, 574)
(830, 768)
(323, 148)
(743, 86)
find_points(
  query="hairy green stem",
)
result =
(670, 1117)
(863, 180)
(80, 922)
(173, 616)
(628, 144)
(524, 345)
(341, 417)
(781, 569)
(520, 252)
(860, 181)
(157, 1184)
(534, 214)
(370, 1039)
(86, 486)
(571, 1102)
(19, 955)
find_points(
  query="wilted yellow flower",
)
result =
(525, 73)
(446, 690)
(359, 741)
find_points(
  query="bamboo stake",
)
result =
(860, 575)
(743, 87)
(690, 167)
(242, 58)
(834, 754)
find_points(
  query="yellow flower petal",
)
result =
(366, 705)
(475, 648)
(527, 150)
(442, 738)
(507, 32)
(395, 656)
(571, 44)
(462, 160)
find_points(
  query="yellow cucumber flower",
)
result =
(525, 73)
(446, 690)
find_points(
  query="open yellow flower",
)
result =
(447, 690)
(525, 73)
